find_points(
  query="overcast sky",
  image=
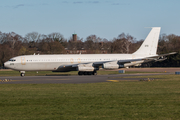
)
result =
(104, 18)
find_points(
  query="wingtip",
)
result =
(173, 53)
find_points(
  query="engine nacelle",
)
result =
(131, 64)
(85, 69)
(110, 66)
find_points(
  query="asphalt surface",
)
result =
(72, 79)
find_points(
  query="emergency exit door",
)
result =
(23, 60)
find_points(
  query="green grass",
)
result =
(33, 73)
(43, 73)
(158, 99)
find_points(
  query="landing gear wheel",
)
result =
(22, 74)
(94, 72)
(89, 73)
(80, 73)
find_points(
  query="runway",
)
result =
(72, 79)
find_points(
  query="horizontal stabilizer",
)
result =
(156, 58)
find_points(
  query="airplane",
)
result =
(88, 64)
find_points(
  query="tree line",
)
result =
(13, 44)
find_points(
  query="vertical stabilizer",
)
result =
(149, 46)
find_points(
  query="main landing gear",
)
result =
(87, 73)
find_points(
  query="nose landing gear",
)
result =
(22, 73)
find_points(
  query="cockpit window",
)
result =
(12, 60)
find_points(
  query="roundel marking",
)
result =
(79, 60)
(133, 56)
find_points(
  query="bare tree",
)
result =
(117, 46)
(33, 36)
(127, 41)
(56, 37)
(93, 43)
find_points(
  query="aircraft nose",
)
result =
(5, 65)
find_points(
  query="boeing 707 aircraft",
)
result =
(88, 64)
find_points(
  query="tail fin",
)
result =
(149, 46)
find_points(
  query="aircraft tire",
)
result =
(94, 72)
(80, 73)
(22, 74)
(89, 73)
(85, 73)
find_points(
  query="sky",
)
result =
(103, 18)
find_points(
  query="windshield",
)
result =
(12, 60)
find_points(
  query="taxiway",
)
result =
(72, 79)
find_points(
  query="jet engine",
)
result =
(80, 68)
(131, 64)
(85, 67)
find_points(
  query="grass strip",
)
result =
(43, 73)
(159, 99)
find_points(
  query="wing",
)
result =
(91, 66)
(79, 67)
